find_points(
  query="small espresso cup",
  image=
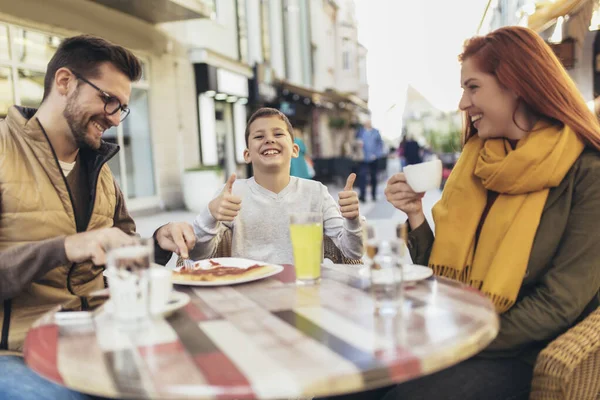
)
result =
(424, 176)
(160, 289)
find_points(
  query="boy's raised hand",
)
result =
(348, 199)
(226, 206)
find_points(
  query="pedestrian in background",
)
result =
(300, 166)
(372, 149)
(412, 151)
(401, 149)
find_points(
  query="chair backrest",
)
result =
(569, 367)
(331, 251)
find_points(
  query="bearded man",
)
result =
(60, 205)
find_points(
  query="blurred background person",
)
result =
(401, 153)
(300, 166)
(412, 151)
(373, 149)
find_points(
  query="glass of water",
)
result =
(128, 269)
(386, 277)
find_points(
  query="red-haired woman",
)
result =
(519, 215)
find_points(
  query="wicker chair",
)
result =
(330, 250)
(569, 367)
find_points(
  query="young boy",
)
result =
(258, 209)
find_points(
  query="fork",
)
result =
(187, 263)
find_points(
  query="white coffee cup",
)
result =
(160, 288)
(424, 176)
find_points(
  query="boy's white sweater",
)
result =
(261, 229)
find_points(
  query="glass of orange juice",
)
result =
(306, 233)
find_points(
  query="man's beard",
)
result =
(78, 123)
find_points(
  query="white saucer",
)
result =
(414, 272)
(177, 301)
(410, 272)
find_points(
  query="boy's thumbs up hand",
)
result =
(350, 182)
(226, 206)
(348, 199)
(229, 184)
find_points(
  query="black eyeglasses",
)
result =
(111, 104)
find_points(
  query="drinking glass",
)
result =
(128, 269)
(386, 277)
(306, 233)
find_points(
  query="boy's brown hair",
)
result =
(267, 112)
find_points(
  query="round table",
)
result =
(269, 339)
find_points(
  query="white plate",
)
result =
(413, 272)
(230, 262)
(177, 301)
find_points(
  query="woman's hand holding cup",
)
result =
(400, 194)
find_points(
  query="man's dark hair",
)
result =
(267, 112)
(85, 53)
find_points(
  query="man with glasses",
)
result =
(60, 206)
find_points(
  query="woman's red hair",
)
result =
(525, 64)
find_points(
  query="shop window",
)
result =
(144, 78)
(212, 6)
(4, 49)
(137, 146)
(265, 30)
(242, 30)
(133, 166)
(346, 60)
(112, 136)
(33, 48)
(6, 91)
(31, 87)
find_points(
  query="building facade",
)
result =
(207, 65)
(570, 27)
(153, 138)
(301, 71)
(218, 51)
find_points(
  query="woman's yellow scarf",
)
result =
(523, 177)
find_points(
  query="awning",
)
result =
(358, 102)
(547, 12)
(329, 96)
(314, 95)
(157, 11)
(339, 97)
(69, 17)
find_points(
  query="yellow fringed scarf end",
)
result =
(446, 271)
(501, 303)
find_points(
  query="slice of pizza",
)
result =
(216, 272)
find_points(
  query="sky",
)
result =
(415, 42)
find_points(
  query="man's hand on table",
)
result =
(93, 245)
